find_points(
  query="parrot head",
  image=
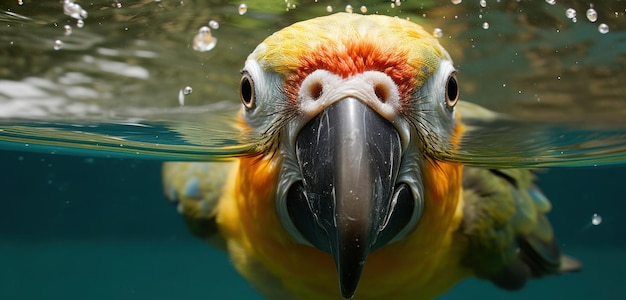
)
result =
(351, 109)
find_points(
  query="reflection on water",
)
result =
(106, 62)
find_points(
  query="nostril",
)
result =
(382, 92)
(315, 90)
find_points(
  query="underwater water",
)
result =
(88, 114)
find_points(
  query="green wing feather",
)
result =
(510, 239)
(196, 188)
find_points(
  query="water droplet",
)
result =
(485, 25)
(363, 9)
(603, 28)
(187, 90)
(58, 44)
(437, 32)
(80, 23)
(596, 219)
(551, 2)
(204, 41)
(67, 29)
(214, 25)
(181, 97)
(329, 8)
(243, 8)
(74, 10)
(592, 15)
(570, 13)
(456, 1)
(349, 8)
(483, 3)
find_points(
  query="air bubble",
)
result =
(603, 28)
(182, 93)
(80, 23)
(329, 8)
(74, 10)
(592, 15)
(483, 3)
(214, 25)
(243, 8)
(596, 219)
(67, 30)
(437, 32)
(570, 13)
(58, 45)
(204, 41)
(551, 2)
(485, 25)
(456, 1)
(363, 9)
(20, 2)
(349, 8)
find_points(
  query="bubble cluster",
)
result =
(74, 10)
(204, 41)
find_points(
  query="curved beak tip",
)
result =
(349, 157)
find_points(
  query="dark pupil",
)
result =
(246, 90)
(453, 90)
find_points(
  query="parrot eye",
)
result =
(246, 91)
(452, 91)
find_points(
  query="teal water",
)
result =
(96, 228)
(84, 130)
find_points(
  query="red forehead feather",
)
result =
(352, 58)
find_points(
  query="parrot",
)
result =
(346, 192)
